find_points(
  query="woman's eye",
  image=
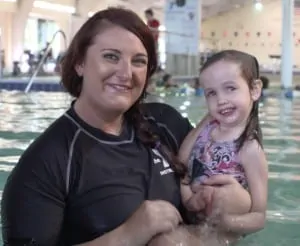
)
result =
(112, 57)
(140, 61)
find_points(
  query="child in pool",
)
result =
(227, 141)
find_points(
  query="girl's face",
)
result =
(227, 93)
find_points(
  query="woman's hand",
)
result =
(152, 218)
(201, 200)
(149, 220)
(203, 193)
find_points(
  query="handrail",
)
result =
(33, 76)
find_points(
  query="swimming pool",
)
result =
(23, 117)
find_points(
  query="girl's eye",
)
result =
(231, 88)
(210, 93)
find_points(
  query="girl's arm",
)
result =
(256, 169)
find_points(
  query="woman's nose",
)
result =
(125, 70)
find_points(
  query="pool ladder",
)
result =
(33, 76)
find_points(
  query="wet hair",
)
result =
(149, 12)
(265, 82)
(250, 72)
(76, 52)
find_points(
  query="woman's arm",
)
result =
(33, 206)
(33, 203)
(151, 219)
(256, 169)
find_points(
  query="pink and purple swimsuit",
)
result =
(209, 157)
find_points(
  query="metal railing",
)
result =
(41, 63)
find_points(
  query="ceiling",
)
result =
(209, 7)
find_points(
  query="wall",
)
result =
(236, 29)
(6, 34)
(6, 16)
(257, 32)
(7, 11)
(65, 21)
(61, 19)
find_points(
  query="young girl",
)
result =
(228, 141)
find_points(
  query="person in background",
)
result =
(265, 86)
(151, 95)
(265, 82)
(168, 81)
(158, 76)
(197, 87)
(153, 24)
(49, 55)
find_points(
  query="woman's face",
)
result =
(114, 71)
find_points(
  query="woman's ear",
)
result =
(256, 89)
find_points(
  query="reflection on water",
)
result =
(24, 117)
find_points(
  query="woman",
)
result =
(100, 174)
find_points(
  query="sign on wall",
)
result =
(182, 22)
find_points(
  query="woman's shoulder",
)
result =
(59, 132)
(165, 114)
(51, 148)
(43, 166)
(161, 112)
(156, 107)
(169, 120)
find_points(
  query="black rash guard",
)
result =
(75, 183)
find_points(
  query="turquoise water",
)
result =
(24, 117)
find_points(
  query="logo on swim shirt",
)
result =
(158, 159)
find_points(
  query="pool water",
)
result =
(23, 117)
